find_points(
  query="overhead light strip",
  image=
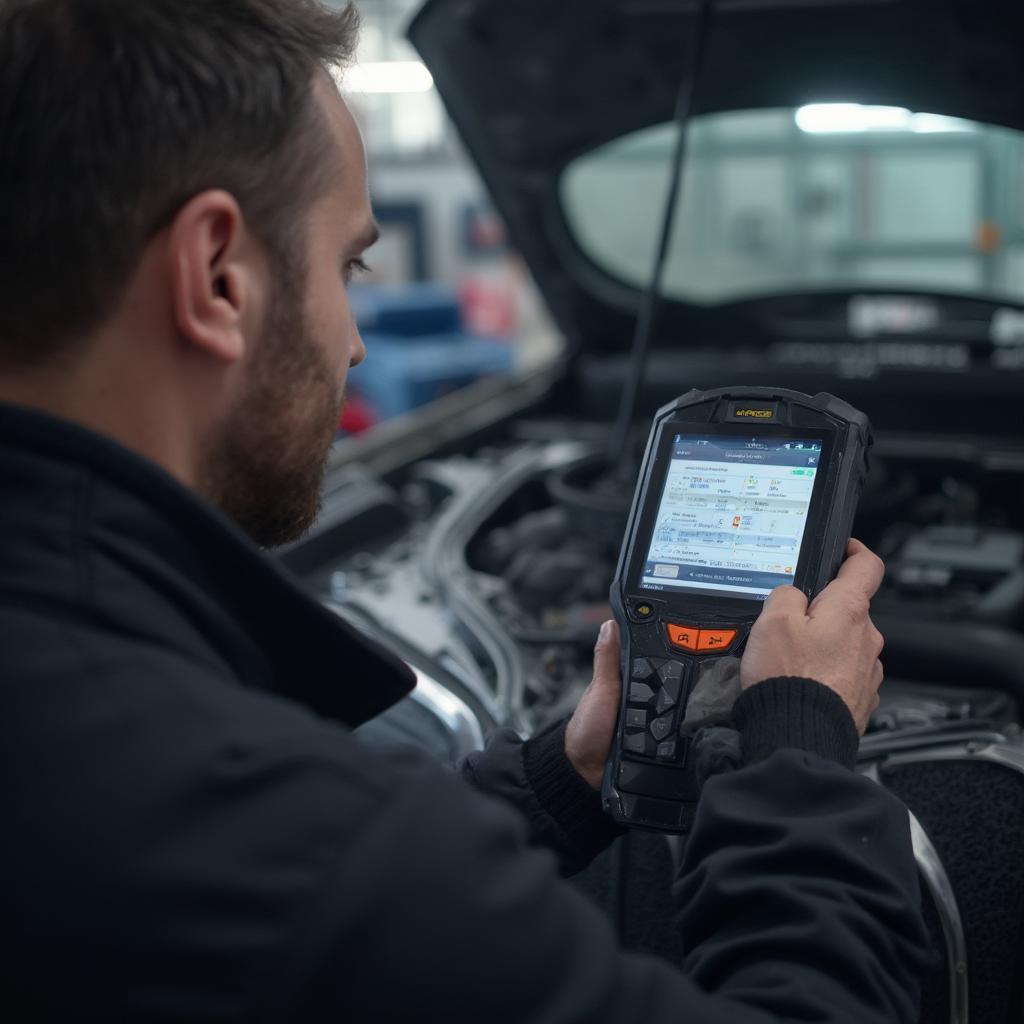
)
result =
(391, 76)
(846, 118)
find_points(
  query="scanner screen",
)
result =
(732, 515)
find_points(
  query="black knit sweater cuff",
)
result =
(801, 714)
(565, 795)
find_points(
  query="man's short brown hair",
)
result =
(114, 113)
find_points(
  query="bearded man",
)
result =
(191, 831)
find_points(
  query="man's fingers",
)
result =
(863, 571)
(785, 600)
(859, 578)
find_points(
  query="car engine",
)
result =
(489, 573)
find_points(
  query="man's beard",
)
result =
(265, 468)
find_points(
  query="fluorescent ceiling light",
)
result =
(390, 76)
(837, 118)
(939, 123)
(819, 118)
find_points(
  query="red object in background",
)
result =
(489, 305)
(357, 416)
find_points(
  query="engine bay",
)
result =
(489, 572)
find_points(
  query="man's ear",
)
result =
(215, 273)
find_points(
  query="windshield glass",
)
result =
(824, 196)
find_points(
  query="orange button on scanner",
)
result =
(715, 639)
(683, 636)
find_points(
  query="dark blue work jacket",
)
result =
(190, 831)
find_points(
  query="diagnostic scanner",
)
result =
(741, 490)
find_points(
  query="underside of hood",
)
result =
(534, 84)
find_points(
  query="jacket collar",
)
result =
(91, 527)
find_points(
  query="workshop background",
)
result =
(447, 301)
(836, 194)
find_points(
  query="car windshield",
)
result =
(827, 196)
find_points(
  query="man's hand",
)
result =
(588, 736)
(833, 641)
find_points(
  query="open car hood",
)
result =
(532, 85)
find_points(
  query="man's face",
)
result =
(266, 466)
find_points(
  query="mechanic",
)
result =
(191, 831)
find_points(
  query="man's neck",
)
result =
(141, 420)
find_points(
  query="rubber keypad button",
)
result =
(661, 727)
(682, 636)
(715, 639)
(640, 693)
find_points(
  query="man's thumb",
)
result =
(606, 657)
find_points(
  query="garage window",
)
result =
(824, 196)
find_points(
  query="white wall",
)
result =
(443, 188)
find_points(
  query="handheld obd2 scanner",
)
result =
(741, 490)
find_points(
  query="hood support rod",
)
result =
(619, 454)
